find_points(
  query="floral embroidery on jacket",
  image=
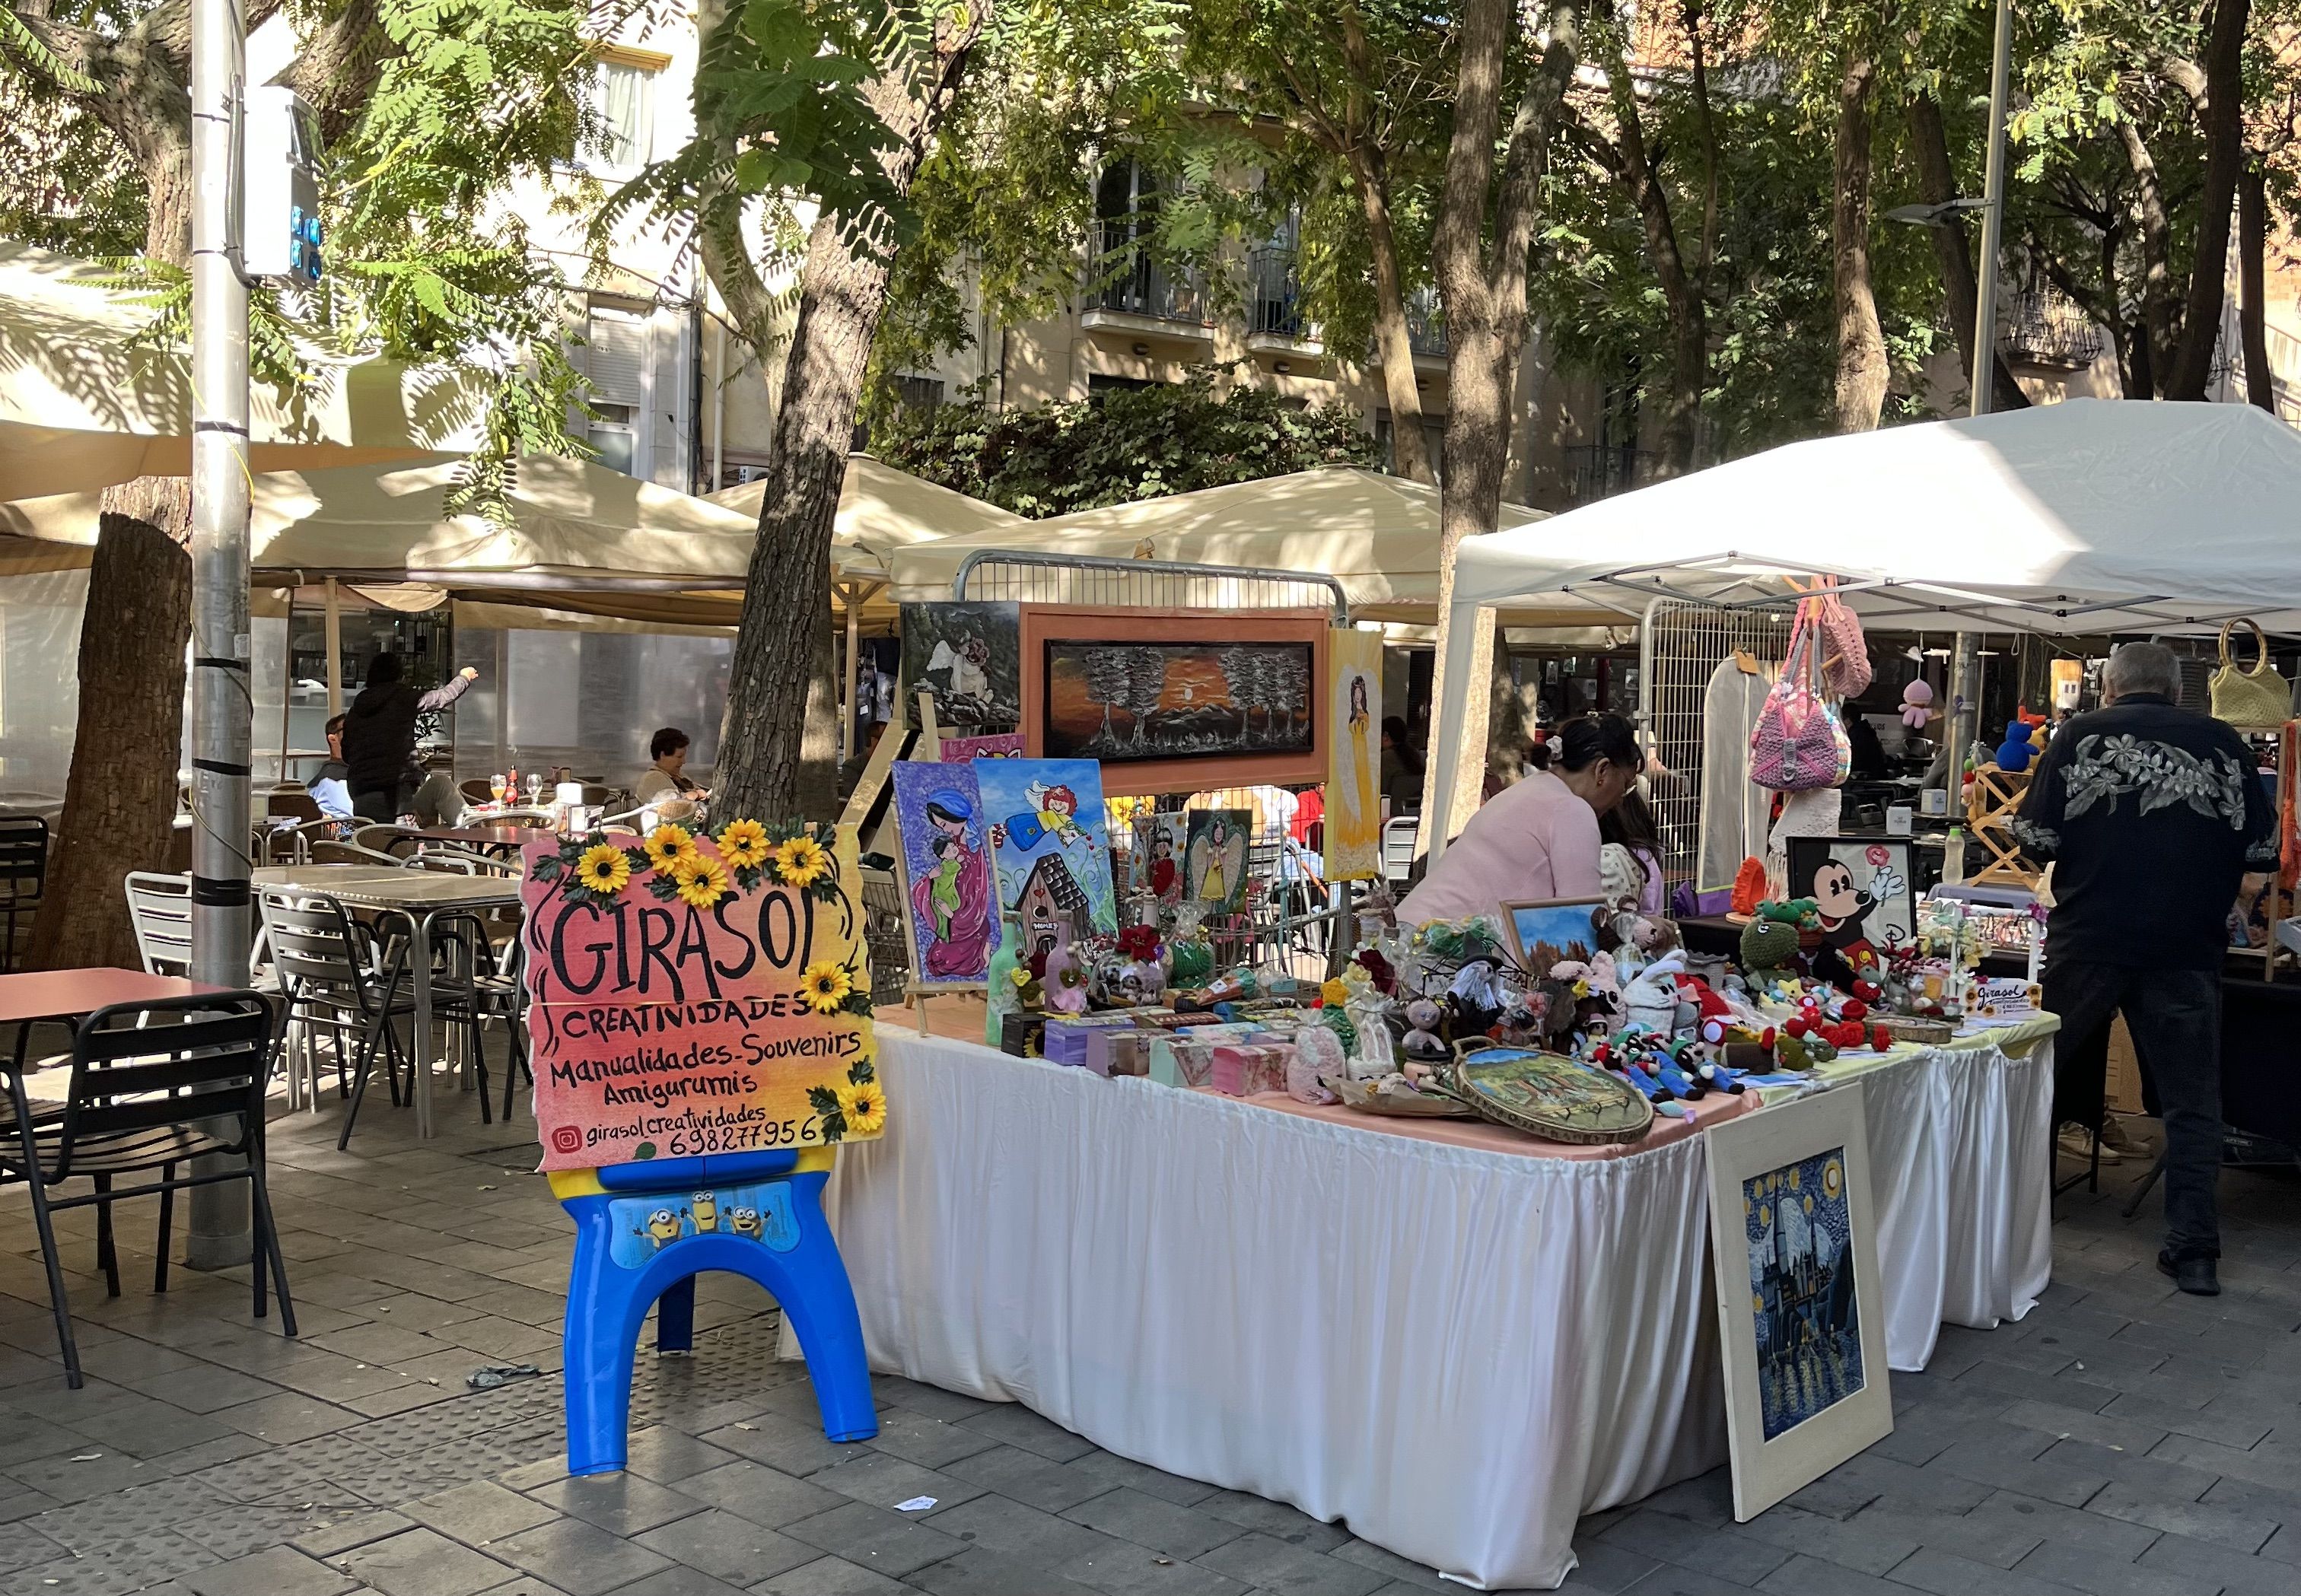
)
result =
(2108, 767)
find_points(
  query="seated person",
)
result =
(439, 802)
(331, 785)
(661, 787)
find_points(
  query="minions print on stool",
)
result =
(701, 1014)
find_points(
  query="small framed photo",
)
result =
(1543, 933)
(1801, 1321)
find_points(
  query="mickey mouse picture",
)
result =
(1861, 891)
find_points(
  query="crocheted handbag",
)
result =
(1798, 744)
(1846, 652)
(2257, 698)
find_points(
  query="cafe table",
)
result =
(419, 898)
(33, 996)
(481, 836)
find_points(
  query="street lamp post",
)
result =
(222, 711)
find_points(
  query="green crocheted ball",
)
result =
(1339, 1022)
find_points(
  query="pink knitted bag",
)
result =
(1798, 744)
(1845, 652)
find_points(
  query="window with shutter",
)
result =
(618, 356)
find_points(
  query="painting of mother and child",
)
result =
(1025, 836)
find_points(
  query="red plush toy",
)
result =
(1881, 1039)
(1853, 1008)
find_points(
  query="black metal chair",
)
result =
(154, 1087)
(23, 874)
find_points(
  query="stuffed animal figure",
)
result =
(1651, 999)
(1917, 704)
(1422, 1045)
(2017, 750)
(1768, 945)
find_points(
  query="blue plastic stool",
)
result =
(643, 1232)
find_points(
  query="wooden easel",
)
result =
(926, 750)
(1989, 814)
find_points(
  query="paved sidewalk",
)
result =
(2124, 1438)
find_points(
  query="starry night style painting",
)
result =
(1806, 1314)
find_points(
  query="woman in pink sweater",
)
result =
(1539, 839)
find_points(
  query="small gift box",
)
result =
(1178, 1061)
(1066, 1039)
(1116, 1051)
(1019, 1033)
(1242, 1069)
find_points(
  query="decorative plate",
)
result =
(1549, 1095)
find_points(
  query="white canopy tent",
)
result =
(2085, 517)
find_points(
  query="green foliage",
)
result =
(1121, 446)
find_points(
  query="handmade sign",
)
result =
(970, 657)
(1214, 864)
(998, 744)
(695, 995)
(1353, 844)
(949, 884)
(1049, 840)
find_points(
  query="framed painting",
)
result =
(1178, 700)
(1049, 847)
(1794, 1240)
(1121, 702)
(1353, 815)
(1862, 886)
(950, 907)
(1214, 858)
(1161, 842)
(1550, 930)
(969, 656)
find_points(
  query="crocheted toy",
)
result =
(1422, 1045)
(2017, 750)
(1749, 886)
(1768, 945)
(1917, 704)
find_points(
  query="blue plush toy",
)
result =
(2017, 750)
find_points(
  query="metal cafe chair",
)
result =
(23, 874)
(154, 1086)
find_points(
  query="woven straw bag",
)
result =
(2258, 697)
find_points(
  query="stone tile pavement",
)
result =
(2124, 1438)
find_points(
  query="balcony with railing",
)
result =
(2046, 329)
(1134, 293)
(1274, 323)
(1596, 471)
(1426, 331)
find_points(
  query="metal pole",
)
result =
(222, 713)
(335, 650)
(1964, 704)
(287, 682)
(1992, 218)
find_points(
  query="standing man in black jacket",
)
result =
(379, 736)
(2152, 815)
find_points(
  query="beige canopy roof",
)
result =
(80, 408)
(1377, 534)
(882, 509)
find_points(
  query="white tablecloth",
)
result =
(1961, 1160)
(1460, 1352)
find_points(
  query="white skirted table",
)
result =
(1458, 1349)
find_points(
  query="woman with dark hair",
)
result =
(1538, 839)
(379, 736)
(1632, 851)
(1401, 766)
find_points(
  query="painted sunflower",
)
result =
(802, 861)
(743, 844)
(667, 845)
(864, 1107)
(824, 986)
(603, 869)
(702, 880)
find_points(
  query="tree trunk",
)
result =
(2224, 129)
(2252, 245)
(1861, 343)
(120, 801)
(776, 757)
(776, 750)
(1479, 247)
(1953, 251)
(2159, 313)
(1410, 450)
